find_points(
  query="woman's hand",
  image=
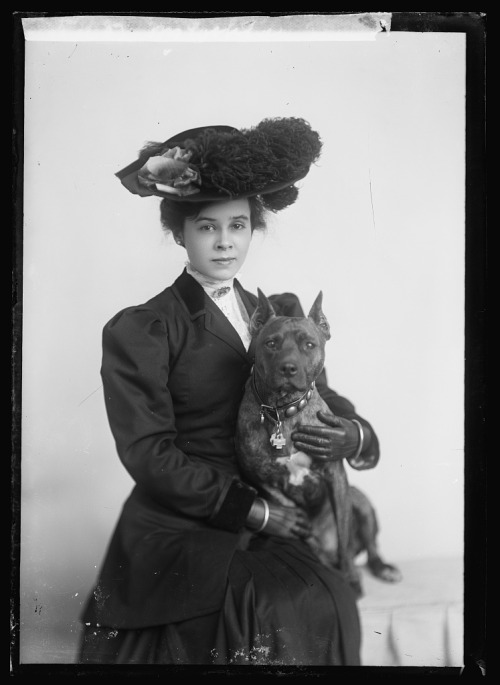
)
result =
(283, 521)
(287, 522)
(337, 439)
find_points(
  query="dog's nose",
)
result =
(288, 369)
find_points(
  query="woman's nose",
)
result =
(224, 241)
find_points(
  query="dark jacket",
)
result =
(174, 371)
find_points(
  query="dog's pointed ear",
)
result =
(262, 313)
(316, 314)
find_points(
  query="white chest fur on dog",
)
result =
(298, 465)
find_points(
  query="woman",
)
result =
(200, 569)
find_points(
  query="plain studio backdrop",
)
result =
(379, 227)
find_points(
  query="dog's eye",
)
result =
(310, 345)
(271, 344)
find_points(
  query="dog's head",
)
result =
(289, 350)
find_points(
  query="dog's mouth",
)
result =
(292, 383)
(289, 392)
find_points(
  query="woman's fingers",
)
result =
(288, 522)
(301, 525)
(311, 439)
(313, 450)
(321, 453)
(301, 529)
(319, 431)
(301, 518)
(329, 419)
(325, 453)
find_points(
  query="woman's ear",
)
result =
(262, 314)
(179, 239)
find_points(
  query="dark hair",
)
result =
(173, 213)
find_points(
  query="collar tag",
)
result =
(277, 440)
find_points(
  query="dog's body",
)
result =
(280, 395)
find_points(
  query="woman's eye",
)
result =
(207, 227)
(239, 227)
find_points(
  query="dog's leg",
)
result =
(364, 536)
(339, 493)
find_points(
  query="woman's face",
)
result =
(218, 238)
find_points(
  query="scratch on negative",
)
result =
(92, 393)
(371, 196)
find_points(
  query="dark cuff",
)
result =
(233, 506)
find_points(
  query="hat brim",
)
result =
(128, 177)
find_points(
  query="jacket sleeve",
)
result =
(135, 373)
(288, 304)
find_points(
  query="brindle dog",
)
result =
(280, 395)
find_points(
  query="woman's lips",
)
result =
(224, 260)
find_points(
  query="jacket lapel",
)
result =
(249, 300)
(198, 304)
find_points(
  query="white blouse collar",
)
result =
(212, 287)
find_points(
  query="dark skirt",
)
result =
(281, 607)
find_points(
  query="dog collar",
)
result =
(278, 414)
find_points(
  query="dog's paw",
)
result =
(386, 572)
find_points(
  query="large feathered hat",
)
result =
(214, 163)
